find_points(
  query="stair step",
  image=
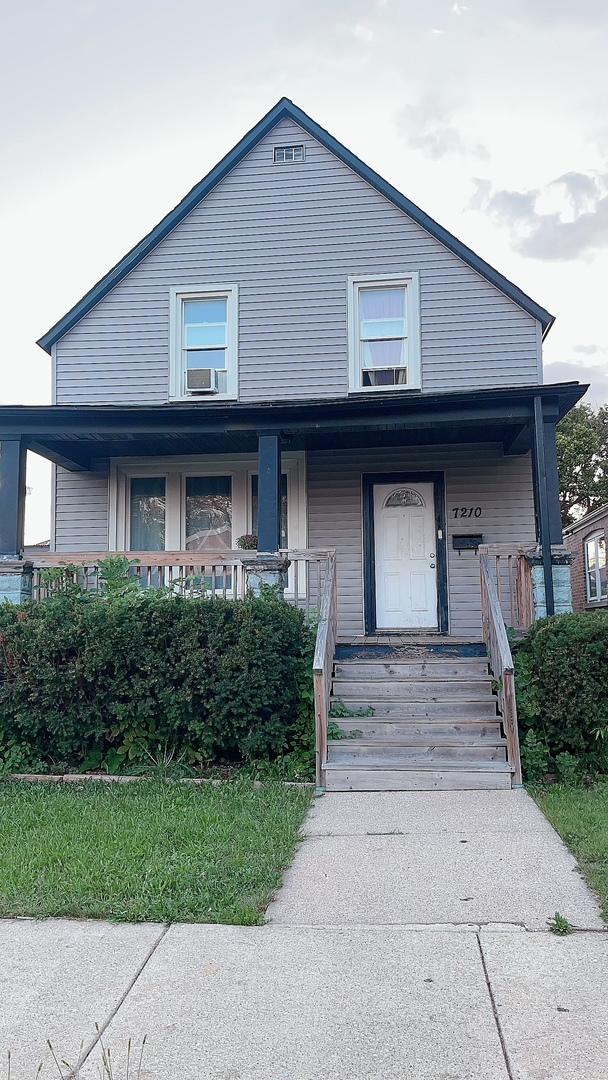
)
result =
(438, 776)
(411, 669)
(482, 708)
(396, 752)
(413, 689)
(408, 730)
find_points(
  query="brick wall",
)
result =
(576, 544)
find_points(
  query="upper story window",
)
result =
(286, 155)
(204, 343)
(596, 569)
(384, 333)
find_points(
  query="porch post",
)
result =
(15, 574)
(268, 567)
(269, 493)
(12, 498)
(547, 488)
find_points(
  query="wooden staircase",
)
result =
(415, 717)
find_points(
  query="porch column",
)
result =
(12, 498)
(268, 568)
(546, 478)
(269, 493)
(15, 574)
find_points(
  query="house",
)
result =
(299, 352)
(586, 541)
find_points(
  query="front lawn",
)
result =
(580, 816)
(147, 851)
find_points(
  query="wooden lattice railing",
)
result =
(188, 573)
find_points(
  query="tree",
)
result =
(582, 455)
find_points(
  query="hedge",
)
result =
(124, 680)
(561, 672)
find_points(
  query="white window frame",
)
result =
(240, 467)
(292, 160)
(594, 538)
(410, 282)
(177, 370)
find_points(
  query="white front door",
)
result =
(405, 556)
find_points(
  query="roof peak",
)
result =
(285, 106)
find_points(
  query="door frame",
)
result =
(369, 480)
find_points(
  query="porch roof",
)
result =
(76, 436)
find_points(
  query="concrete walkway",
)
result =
(408, 943)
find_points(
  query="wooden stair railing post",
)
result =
(325, 647)
(501, 662)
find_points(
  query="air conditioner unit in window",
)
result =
(201, 380)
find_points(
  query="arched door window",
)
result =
(404, 497)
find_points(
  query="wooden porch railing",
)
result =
(512, 576)
(190, 573)
(323, 667)
(501, 660)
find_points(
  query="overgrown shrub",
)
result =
(561, 671)
(132, 676)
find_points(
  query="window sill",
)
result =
(383, 389)
(205, 399)
(593, 605)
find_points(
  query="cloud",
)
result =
(363, 32)
(460, 9)
(429, 126)
(566, 219)
(590, 350)
(571, 371)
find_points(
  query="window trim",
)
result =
(241, 467)
(288, 146)
(411, 283)
(177, 296)
(594, 536)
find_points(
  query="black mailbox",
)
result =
(467, 543)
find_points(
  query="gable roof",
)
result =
(286, 108)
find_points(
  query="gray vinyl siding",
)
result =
(476, 476)
(289, 236)
(81, 510)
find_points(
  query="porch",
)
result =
(345, 479)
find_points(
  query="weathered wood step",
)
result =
(410, 669)
(413, 689)
(483, 708)
(388, 727)
(452, 776)
(395, 752)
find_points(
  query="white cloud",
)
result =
(363, 32)
(566, 219)
(460, 9)
(430, 126)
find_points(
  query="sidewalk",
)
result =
(373, 966)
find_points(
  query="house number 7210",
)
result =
(466, 511)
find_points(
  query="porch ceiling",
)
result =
(76, 436)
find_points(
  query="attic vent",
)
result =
(284, 155)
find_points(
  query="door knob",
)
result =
(432, 555)
(432, 565)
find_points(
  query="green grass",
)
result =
(580, 816)
(146, 851)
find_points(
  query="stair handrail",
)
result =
(322, 668)
(501, 662)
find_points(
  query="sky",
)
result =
(491, 115)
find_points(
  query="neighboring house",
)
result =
(586, 540)
(298, 351)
